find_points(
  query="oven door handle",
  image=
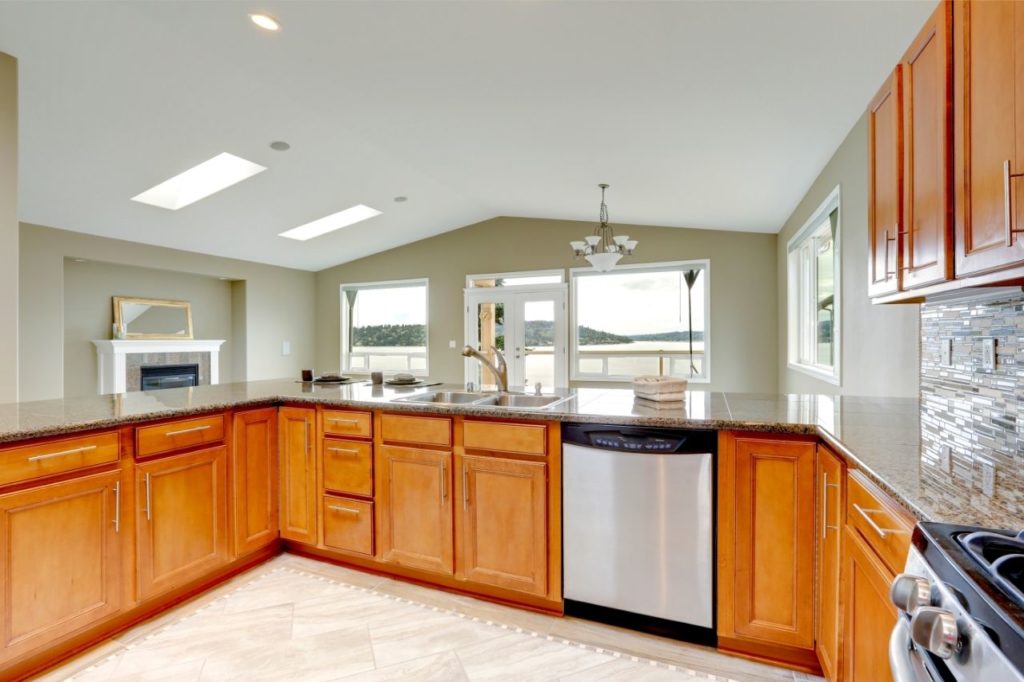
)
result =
(903, 660)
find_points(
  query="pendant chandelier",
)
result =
(603, 249)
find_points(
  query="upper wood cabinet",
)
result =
(926, 248)
(885, 186)
(182, 519)
(254, 480)
(988, 110)
(766, 534)
(61, 561)
(830, 486)
(502, 522)
(297, 459)
(414, 496)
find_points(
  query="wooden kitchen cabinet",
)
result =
(182, 519)
(414, 496)
(766, 547)
(885, 186)
(869, 615)
(61, 560)
(254, 480)
(988, 114)
(297, 459)
(502, 522)
(926, 250)
(830, 486)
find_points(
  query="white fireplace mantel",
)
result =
(112, 355)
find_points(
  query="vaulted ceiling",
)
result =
(712, 115)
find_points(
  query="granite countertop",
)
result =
(880, 436)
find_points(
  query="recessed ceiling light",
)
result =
(265, 21)
(199, 182)
(335, 221)
(280, 146)
(399, 200)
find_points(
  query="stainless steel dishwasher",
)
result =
(638, 525)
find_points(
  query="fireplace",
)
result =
(155, 377)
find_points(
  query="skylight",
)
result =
(335, 221)
(199, 182)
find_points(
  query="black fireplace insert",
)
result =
(156, 377)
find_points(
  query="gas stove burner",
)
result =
(1002, 556)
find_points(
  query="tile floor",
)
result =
(297, 619)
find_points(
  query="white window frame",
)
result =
(576, 273)
(832, 375)
(388, 284)
(470, 279)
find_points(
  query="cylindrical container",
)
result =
(307, 375)
(377, 378)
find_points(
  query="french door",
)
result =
(528, 325)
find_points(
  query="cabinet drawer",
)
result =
(178, 435)
(348, 466)
(882, 524)
(343, 423)
(348, 525)
(57, 456)
(400, 428)
(523, 439)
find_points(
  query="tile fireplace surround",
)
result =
(120, 361)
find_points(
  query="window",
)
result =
(641, 319)
(384, 327)
(814, 288)
(515, 279)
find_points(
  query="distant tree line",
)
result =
(538, 333)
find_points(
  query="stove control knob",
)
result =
(935, 630)
(910, 592)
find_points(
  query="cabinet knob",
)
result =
(909, 592)
(935, 630)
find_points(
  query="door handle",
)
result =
(343, 510)
(1008, 216)
(62, 453)
(347, 451)
(896, 229)
(465, 487)
(882, 532)
(825, 485)
(444, 484)
(182, 432)
(149, 504)
(117, 507)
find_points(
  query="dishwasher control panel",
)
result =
(642, 440)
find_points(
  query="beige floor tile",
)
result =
(437, 668)
(626, 670)
(428, 632)
(519, 656)
(352, 609)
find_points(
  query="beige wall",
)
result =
(8, 228)
(88, 313)
(879, 343)
(278, 303)
(743, 298)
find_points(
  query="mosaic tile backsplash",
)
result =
(970, 428)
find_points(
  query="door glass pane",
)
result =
(539, 351)
(490, 329)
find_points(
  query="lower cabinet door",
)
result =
(62, 560)
(503, 522)
(298, 474)
(254, 480)
(870, 616)
(830, 475)
(182, 519)
(414, 494)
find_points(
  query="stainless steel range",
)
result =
(962, 607)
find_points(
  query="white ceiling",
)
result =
(699, 114)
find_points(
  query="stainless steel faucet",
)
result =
(500, 370)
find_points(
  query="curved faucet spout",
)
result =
(500, 369)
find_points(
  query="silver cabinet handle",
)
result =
(149, 503)
(1008, 202)
(444, 483)
(347, 451)
(305, 436)
(343, 421)
(896, 229)
(825, 485)
(343, 510)
(866, 513)
(182, 432)
(117, 507)
(62, 453)
(465, 487)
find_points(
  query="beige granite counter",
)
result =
(882, 436)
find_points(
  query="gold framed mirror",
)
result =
(152, 318)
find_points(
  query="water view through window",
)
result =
(384, 327)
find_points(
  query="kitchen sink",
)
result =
(487, 399)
